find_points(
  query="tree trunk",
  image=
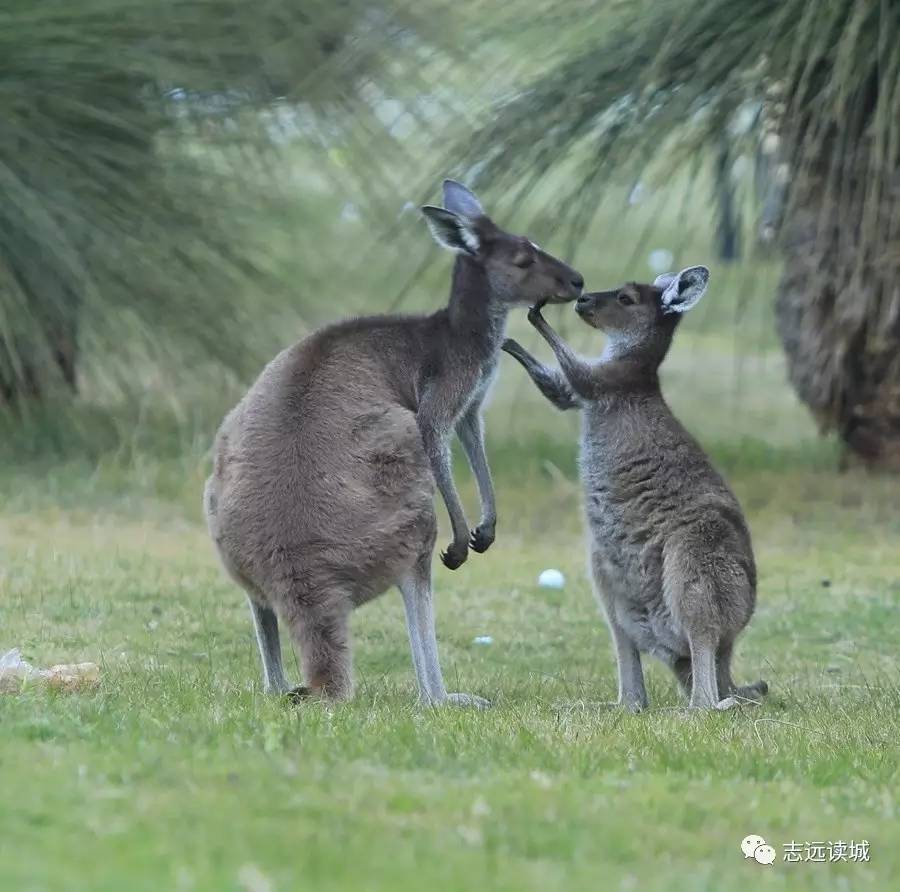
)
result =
(838, 315)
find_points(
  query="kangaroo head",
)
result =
(636, 314)
(517, 270)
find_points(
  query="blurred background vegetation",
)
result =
(187, 187)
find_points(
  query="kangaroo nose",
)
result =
(578, 281)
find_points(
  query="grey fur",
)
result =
(670, 551)
(321, 495)
(265, 623)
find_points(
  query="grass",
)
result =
(178, 773)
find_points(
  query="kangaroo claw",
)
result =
(482, 538)
(455, 556)
(534, 314)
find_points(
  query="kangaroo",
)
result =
(322, 491)
(670, 551)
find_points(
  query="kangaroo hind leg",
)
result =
(727, 687)
(322, 637)
(268, 640)
(418, 601)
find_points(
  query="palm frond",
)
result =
(137, 162)
(812, 85)
(675, 78)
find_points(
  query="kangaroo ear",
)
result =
(681, 291)
(451, 231)
(462, 201)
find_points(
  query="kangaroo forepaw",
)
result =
(482, 538)
(455, 555)
(534, 313)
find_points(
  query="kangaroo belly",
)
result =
(652, 627)
(629, 582)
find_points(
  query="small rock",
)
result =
(483, 639)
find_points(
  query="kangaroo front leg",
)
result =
(470, 431)
(439, 456)
(577, 372)
(549, 381)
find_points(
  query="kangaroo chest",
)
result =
(481, 383)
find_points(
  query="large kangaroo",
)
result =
(670, 550)
(321, 495)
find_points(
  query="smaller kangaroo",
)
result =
(670, 551)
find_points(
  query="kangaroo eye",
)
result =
(626, 299)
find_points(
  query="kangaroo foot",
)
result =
(468, 700)
(755, 691)
(299, 694)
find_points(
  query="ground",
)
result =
(179, 773)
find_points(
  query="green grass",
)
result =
(178, 773)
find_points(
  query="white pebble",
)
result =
(483, 639)
(551, 579)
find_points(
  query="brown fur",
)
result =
(321, 496)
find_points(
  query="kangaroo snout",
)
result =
(588, 305)
(569, 289)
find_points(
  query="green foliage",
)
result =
(668, 80)
(796, 106)
(137, 163)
